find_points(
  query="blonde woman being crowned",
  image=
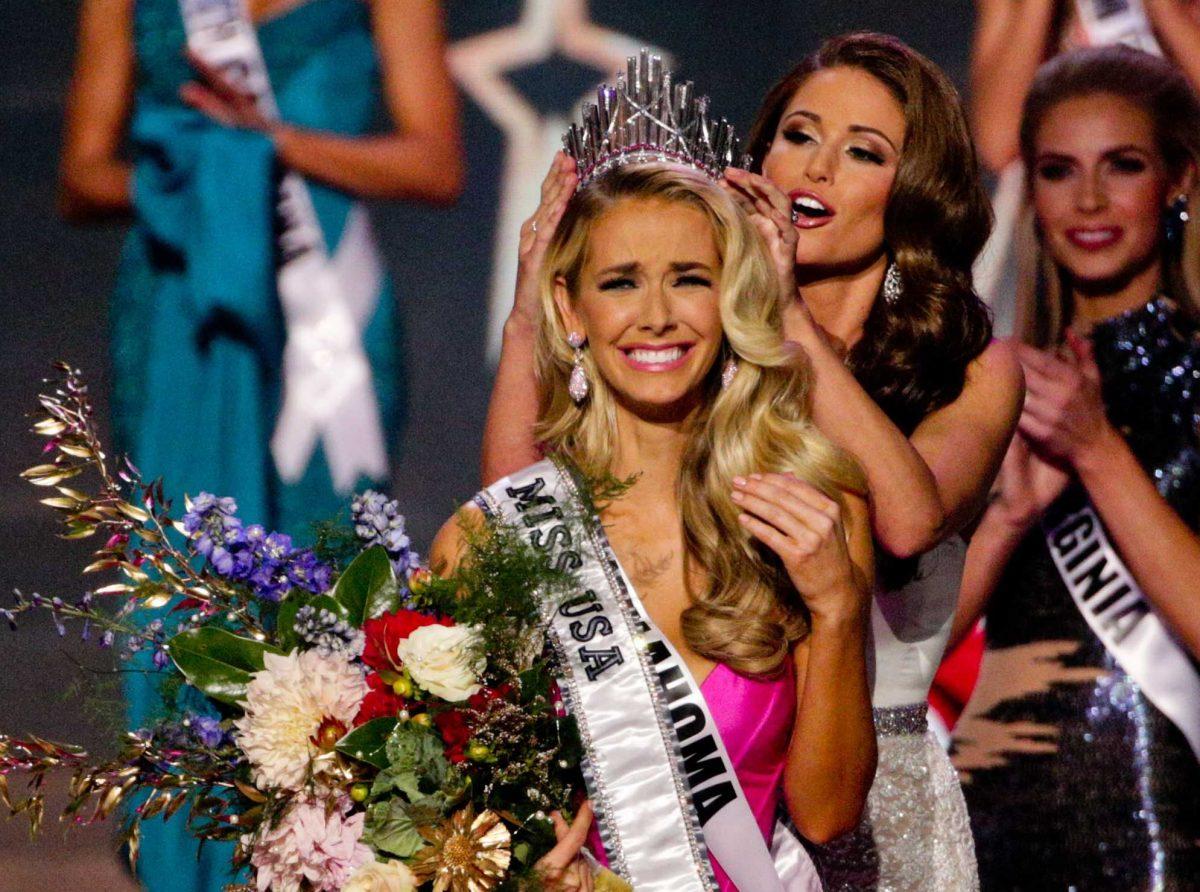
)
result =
(716, 660)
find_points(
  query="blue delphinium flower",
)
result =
(267, 563)
(207, 730)
(378, 521)
(327, 632)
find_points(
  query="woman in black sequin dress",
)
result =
(1074, 778)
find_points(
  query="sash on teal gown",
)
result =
(197, 332)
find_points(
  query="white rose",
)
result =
(444, 660)
(388, 876)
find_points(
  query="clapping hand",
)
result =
(1064, 411)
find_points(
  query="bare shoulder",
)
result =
(997, 373)
(447, 548)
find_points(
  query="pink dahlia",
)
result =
(313, 842)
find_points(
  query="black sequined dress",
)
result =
(1073, 779)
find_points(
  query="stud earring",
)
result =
(893, 287)
(578, 386)
(1177, 218)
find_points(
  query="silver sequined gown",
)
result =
(915, 835)
(1073, 778)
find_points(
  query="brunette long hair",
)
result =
(1146, 82)
(749, 615)
(913, 354)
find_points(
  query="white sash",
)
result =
(1124, 620)
(1106, 22)
(327, 301)
(656, 766)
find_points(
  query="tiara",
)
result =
(646, 117)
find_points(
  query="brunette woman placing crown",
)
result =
(733, 576)
(1080, 745)
(870, 201)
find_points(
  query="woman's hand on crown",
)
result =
(804, 528)
(536, 233)
(771, 212)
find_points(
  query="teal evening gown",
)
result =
(197, 330)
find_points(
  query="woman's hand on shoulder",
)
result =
(824, 548)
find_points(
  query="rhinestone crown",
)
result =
(646, 117)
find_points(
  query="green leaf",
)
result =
(390, 828)
(217, 662)
(368, 742)
(368, 587)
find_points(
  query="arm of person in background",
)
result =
(1027, 485)
(827, 553)
(1064, 418)
(508, 442)
(1177, 26)
(93, 178)
(420, 159)
(1011, 40)
(924, 487)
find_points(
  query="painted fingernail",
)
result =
(743, 518)
(739, 481)
(737, 496)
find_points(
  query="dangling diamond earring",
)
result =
(728, 373)
(893, 287)
(578, 387)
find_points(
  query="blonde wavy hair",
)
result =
(748, 616)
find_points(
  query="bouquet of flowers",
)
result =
(352, 721)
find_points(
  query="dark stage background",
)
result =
(54, 279)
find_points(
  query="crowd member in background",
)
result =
(871, 202)
(198, 324)
(1079, 747)
(1012, 38)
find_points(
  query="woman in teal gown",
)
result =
(196, 325)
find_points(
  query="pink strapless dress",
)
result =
(755, 720)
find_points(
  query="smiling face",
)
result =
(835, 153)
(647, 300)
(1100, 185)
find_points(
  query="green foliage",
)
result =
(501, 586)
(368, 742)
(217, 662)
(390, 828)
(416, 765)
(336, 544)
(368, 587)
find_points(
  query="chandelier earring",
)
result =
(578, 387)
(729, 372)
(893, 286)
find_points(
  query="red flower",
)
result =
(379, 702)
(386, 631)
(455, 733)
(481, 700)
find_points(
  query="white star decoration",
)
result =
(479, 63)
